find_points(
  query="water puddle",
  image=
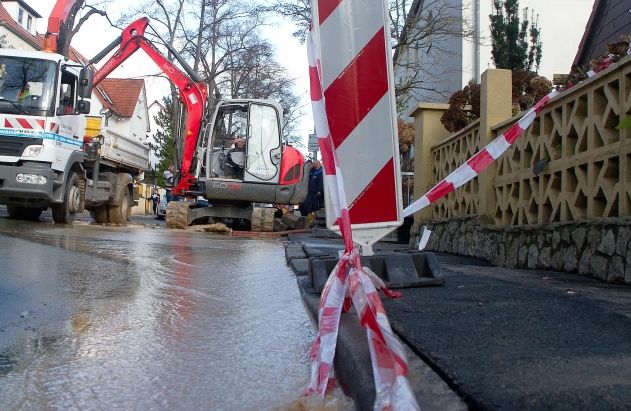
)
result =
(144, 318)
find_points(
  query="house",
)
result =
(18, 21)
(447, 62)
(453, 61)
(124, 105)
(609, 20)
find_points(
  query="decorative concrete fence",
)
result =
(560, 199)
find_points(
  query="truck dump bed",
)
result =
(125, 150)
(118, 150)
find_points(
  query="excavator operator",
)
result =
(235, 159)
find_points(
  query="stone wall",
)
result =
(599, 247)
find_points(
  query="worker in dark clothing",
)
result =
(235, 160)
(155, 200)
(315, 194)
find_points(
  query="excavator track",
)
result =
(177, 215)
(262, 219)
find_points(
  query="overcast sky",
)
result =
(562, 23)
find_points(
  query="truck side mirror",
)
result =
(83, 107)
(86, 79)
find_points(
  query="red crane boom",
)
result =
(193, 91)
(59, 26)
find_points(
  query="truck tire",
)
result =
(99, 214)
(66, 212)
(118, 214)
(24, 213)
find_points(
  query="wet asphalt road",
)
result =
(141, 317)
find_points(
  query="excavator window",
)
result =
(263, 143)
(246, 143)
(230, 124)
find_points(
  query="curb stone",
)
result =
(352, 362)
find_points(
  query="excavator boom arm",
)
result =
(193, 92)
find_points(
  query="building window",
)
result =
(29, 23)
(21, 16)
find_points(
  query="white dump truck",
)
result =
(52, 153)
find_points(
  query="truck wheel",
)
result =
(99, 214)
(66, 212)
(119, 214)
(24, 213)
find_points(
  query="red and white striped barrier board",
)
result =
(350, 282)
(357, 83)
(29, 127)
(480, 161)
(24, 123)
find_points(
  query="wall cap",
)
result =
(428, 106)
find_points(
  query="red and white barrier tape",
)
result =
(606, 62)
(480, 161)
(348, 282)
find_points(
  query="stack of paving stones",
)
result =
(319, 228)
(599, 248)
(290, 221)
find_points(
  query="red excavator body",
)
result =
(231, 156)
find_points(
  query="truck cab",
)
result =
(42, 122)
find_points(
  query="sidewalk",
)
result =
(494, 338)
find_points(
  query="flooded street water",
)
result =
(96, 317)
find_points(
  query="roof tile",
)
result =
(123, 93)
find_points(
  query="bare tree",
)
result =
(416, 27)
(220, 39)
(3, 42)
(69, 28)
(166, 19)
(219, 29)
(254, 73)
(298, 11)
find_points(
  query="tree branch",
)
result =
(83, 19)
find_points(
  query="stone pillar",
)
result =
(428, 132)
(495, 107)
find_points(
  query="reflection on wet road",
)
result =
(129, 318)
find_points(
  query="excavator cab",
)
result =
(245, 143)
(241, 161)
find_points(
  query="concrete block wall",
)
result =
(600, 248)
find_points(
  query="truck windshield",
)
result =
(26, 86)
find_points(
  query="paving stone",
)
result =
(300, 266)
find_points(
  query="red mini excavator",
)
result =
(232, 156)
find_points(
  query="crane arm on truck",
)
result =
(193, 91)
(59, 26)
